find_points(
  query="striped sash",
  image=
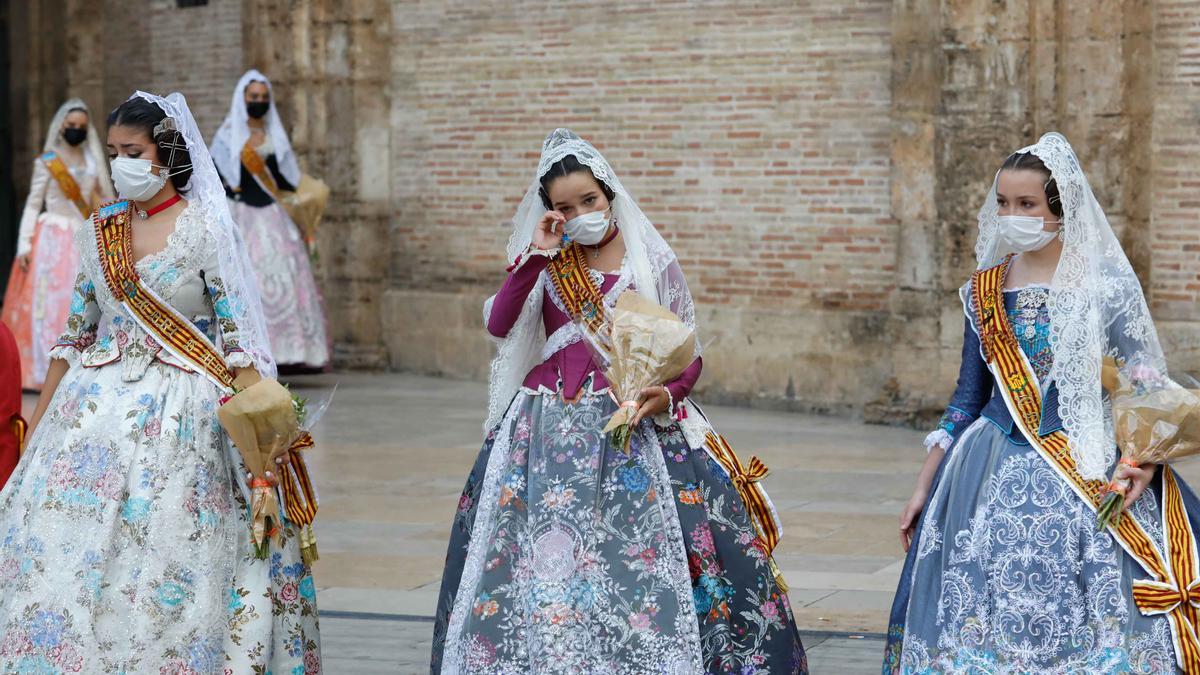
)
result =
(569, 273)
(66, 182)
(1173, 588)
(181, 338)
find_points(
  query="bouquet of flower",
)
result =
(641, 344)
(259, 419)
(1156, 421)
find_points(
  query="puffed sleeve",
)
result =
(82, 321)
(225, 309)
(506, 308)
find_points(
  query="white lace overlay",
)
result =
(1096, 305)
(1029, 584)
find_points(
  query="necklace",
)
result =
(158, 209)
(604, 242)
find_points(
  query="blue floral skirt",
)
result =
(1007, 573)
(569, 555)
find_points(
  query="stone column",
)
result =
(329, 62)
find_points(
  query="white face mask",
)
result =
(136, 179)
(1026, 233)
(588, 229)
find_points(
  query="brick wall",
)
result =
(754, 135)
(816, 165)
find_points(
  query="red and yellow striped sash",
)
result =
(1174, 586)
(66, 182)
(180, 337)
(583, 300)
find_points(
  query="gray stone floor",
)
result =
(394, 450)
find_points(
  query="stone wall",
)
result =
(817, 166)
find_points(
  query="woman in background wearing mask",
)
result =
(257, 163)
(125, 535)
(568, 555)
(70, 178)
(1006, 570)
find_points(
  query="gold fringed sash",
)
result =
(66, 182)
(180, 337)
(745, 479)
(1174, 586)
(569, 273)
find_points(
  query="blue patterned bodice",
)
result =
(1030, 320)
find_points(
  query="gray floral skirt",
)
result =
(568, 555)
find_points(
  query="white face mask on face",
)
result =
(1027, 233)
(136, 179)
(588, 229)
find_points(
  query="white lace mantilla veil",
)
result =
(1096, 306)
(204, 188)
(655, 269)
(93, 149)
(231, 136)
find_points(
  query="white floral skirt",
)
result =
(125, 545)
(290, 298)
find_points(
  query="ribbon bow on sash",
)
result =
(745, 479)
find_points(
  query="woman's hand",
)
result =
(911, 515)
(549, 232)
(654, 400)
(1139, 478)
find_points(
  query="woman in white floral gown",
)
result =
(124, 536)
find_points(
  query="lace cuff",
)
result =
(67, 352)
(531, 253)
(938, 437)
(239, 359)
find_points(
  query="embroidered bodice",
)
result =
(1029, 317)
(566, 361)
(100, 331)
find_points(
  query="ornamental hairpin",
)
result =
(167, 124)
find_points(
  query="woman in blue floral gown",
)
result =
(1006, 570)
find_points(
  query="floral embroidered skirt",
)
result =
(290, 297)
(568, 555)
(1008, 573)
(125, 541)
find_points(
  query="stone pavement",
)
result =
(394, 450)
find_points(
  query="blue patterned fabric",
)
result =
(1007, 572)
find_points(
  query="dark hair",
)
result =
(78, 109)
(563, 167)
(170, 147)
(1027, 161)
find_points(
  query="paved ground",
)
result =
(393, 453)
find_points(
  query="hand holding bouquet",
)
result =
(260, 419)
(641, 345)
(1156, 421)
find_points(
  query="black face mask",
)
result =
(74, 136)
(257, 109)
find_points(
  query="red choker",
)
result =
(158, 209)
